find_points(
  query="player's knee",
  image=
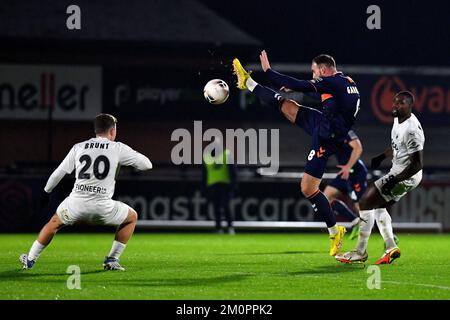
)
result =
(289, 108)
(54, 224)
(330, 195)
(307, 190)
(309, 185)
(132, 216)
(333, 202)
(383, 217)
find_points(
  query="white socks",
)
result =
(384, 223)
(251, 84)
(333, 230)
(365, 228)
(116, 249)
(37, 248)
(354, 222)
(35, 251)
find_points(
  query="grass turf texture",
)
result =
(210, 266)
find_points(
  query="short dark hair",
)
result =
(326, 60)
(408, 96)
(104, 122)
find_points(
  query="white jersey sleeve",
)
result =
(66, 167)
(130, 157)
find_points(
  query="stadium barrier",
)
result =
(274, 225)
(260, 203)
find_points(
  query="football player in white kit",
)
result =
(407, 141)
(95, 162)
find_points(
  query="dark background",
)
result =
(413, 32)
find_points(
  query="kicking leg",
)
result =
(289, 108)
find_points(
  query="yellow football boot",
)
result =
(241, 74)
(336, 241)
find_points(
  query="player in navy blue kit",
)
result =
(340, 101)
(351, 181)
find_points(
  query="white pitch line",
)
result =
(417, 284)
(333, 277)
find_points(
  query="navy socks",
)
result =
(342, 209)
(320, 204)
(269, 96)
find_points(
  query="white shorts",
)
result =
(401, 188)
(103, 212)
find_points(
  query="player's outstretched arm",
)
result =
(66, 167)
(142, 162)
(130, 157)
(291, 82)
(54, 179)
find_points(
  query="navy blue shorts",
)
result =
(356, 184)
(321, 150)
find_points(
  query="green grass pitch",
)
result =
(209, 266)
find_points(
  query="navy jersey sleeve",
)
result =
(298, 85)
(322, 85)
(313, 95)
